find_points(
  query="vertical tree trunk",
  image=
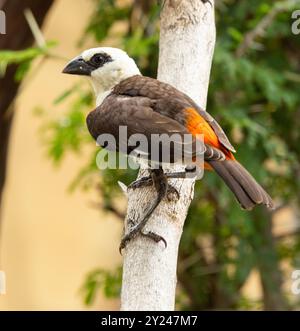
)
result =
(18, 36)
(187, 41)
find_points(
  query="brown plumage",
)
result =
(246, 189)
(145, 105)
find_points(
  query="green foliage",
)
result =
(108, 281)
(22, 58)
(105, 15)
(68, 133)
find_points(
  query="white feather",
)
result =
(111, 73)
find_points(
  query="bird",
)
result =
(124, 97)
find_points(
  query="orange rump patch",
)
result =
(196, 124)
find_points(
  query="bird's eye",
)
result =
(97, 59)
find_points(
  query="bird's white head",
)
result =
(105, 66)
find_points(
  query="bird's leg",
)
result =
(141, 182)
(160, 181)
(147, 181)
(171, 190)
(188, 171)
(161, 185)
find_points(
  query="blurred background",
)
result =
(61, 218)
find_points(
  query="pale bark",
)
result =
(186, 48)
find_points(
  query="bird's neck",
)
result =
(100, 96)
(104, 85)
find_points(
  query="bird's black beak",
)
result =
(78, 67)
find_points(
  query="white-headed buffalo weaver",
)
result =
(147, 106)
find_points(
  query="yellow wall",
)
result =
(51, 239)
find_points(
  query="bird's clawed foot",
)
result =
(159, 180)
(172, 192)
(134, 232)
(125, 240)
(141, 182)
(155, 237)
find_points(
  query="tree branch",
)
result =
(187, 41)
(260, 28)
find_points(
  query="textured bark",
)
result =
(18, 36)
(186, 48)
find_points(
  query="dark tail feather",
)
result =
(246, 189)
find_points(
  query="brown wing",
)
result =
(169, 102)
(138, 116)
